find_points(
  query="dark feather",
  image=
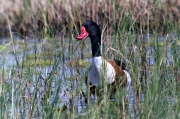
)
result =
(120, 64)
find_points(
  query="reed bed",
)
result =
(27, 17)
(47, 77)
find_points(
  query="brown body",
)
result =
(120, 79)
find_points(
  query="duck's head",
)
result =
(90, 29)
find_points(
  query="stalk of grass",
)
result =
(2, 91)
(57, 13)
(162, 84)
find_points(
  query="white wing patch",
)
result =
(100, 69)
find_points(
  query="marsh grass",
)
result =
(55, 91)
(50, 17)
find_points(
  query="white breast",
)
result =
(100, 70)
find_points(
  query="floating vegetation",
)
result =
(158, 44)
(41, 59)
(4, 48)
(78, 63)
(41, 55)
(39, 62)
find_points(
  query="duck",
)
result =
(113, 71)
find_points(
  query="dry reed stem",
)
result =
(28, 15)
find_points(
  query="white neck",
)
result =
(96, 61)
